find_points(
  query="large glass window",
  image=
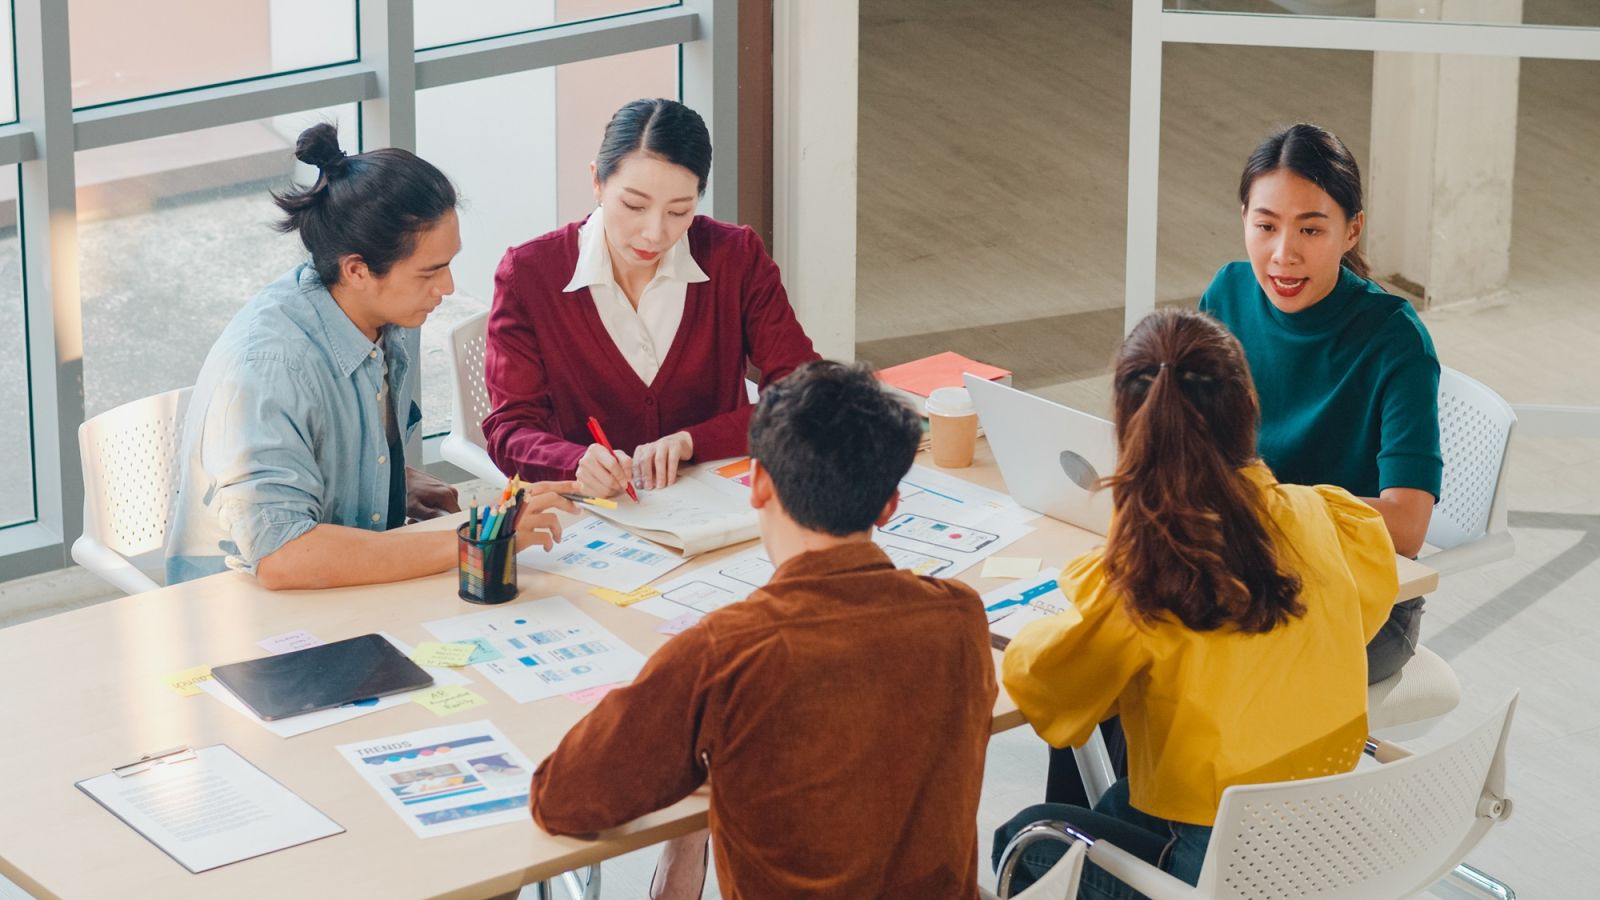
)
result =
(8, 68)
(16, 422)
(443, 22)
(519, 175)
(122, 50)
(175, 235)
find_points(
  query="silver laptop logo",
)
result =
(1079, 470)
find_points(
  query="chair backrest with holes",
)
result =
(470, 399)
(1381, 831)
(1474, 433)
(130, 476)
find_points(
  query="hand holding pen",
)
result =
(526, 510)
(602, 470)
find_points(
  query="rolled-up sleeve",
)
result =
(259, 459)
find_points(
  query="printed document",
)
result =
(547, 648)
(597, 552)
(208, 807)
(701, 511)
(449, 779)
(1017, 604)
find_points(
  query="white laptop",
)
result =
(1050, 455)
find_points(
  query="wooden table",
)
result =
(83, 693)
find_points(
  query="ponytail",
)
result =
(1190, 536)
(372, 205)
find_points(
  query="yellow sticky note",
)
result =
(187, 681)
(434, 653)
(618, 598)
(924, 567)
(446, 700)
(1010, 566)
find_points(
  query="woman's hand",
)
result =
(602, 472)
(538, 525)
(656, 463)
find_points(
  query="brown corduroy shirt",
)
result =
(843, 711)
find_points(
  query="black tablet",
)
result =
(303, 681)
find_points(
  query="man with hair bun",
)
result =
(842, 711)
(293, 460)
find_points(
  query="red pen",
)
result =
(600, 438)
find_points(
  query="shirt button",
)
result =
(372, 355)
(649, 401)
(376, 517)
(382, 460)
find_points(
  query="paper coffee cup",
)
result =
(953, 422)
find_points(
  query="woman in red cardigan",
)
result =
(644, 316)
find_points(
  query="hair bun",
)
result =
(319, 146)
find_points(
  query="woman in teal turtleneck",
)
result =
(1346, 373)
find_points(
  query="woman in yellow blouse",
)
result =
(1225, 619)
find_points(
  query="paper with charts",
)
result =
(445, 780)
(701, 511)
(547, 648)
(1017, 604)
(927, 536)
(928, 483)
(597, 552)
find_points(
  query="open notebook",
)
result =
(700, 512)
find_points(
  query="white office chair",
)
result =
(1390, 830)
(130, 477)
(1060, 883)
(465, 446)
(1468, 527)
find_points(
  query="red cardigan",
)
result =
(550, 363)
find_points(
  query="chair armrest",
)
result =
(1140, 875)
(110, 566)
(1385, 752)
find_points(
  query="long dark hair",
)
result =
(1190, 536)
(1318, 156)
(372, 205)
(665, 129)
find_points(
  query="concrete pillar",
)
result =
(1439, 176)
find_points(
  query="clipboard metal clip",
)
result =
(159, 758)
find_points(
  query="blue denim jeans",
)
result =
(1177, 848)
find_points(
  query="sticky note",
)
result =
(590, 695)
(485, 651)
(446, 700)
(924, 567)
(185, 682)
(1010, 567)
(618, 598)
(293, 640)
(434, 653)
(679, 625)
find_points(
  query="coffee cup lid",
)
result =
(950, 401)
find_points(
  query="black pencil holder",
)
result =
(486, 569)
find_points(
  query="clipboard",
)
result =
(207, 807)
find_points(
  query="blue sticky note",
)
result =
(485, 652)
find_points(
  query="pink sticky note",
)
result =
(589, 695)
(294, 640)
(679, 625)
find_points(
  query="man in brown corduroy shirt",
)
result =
(842, 711)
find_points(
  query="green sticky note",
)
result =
(446, 700)
(485, 651)
(434, 653)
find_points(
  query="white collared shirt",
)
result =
(644, 335)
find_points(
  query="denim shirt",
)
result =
(284, 429)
